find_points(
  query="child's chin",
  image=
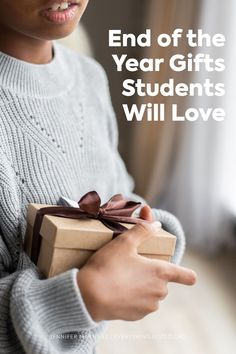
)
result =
(59, 31)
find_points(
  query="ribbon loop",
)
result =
(90, 203)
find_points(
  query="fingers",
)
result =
(176, 274)
(140, 232)
(146, 213)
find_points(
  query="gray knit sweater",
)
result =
(58, 137)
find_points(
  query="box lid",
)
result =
(91, 234)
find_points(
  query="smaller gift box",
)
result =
(65, 242)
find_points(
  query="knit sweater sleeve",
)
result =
(125, 182)
(33, 310)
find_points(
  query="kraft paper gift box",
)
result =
(68, 243)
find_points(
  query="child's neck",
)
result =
(25, 48)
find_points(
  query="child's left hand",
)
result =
(146, 213)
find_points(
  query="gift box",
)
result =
(67, 243)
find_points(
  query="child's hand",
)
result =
(117, 283)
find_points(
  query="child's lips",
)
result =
(60, 16)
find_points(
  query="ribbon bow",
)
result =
(111, 214)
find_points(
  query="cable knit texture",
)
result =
(58, 137)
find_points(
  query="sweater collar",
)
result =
(37, 80)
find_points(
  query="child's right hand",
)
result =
(117, 283)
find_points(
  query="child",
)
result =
(58, 137)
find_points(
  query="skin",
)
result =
(25, 34)
(116, 282)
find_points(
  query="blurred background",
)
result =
(188, 169)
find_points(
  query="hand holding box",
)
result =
(68, 240)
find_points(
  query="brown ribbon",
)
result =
(111, 214)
